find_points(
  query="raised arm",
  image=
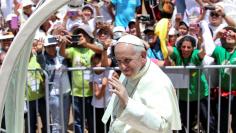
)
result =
(99, 90)
(227, 18)
(208, 43)
(110, 10)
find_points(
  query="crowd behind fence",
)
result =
(84, 33)
(178, 74)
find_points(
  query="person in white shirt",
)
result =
(101, 94)
(144, 99)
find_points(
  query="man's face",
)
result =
(129, 61)
(215, 19)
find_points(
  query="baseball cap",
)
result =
(8, 35)
(27, 3)
(86, 29)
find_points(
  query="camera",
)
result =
(144, 18)
(52, 40)
(75, 39)
(226, 34)
(209, 7)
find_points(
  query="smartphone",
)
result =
(209, 7)
(72, 13)
(99, 19)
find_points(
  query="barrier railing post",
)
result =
(47, 100)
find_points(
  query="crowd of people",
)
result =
(86, 33)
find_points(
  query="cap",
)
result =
(27, 3)
(50, 40)
(8, 35)
(118, 28)
(76, 3)
(72, 8)
(10, 16)
(172, 31)
(131, 39)
(86, 29)
(74, 25)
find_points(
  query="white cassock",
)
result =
(152, 107)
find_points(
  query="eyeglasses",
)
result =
(212, 14)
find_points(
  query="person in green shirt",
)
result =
(80, 54)
(35, 95)
(185, 54)
(226, 55)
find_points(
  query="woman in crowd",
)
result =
(225, 55)
(184, 54)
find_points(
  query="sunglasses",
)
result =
(212, 14)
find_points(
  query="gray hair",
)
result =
(138, 49)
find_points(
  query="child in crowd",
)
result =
(101, 94)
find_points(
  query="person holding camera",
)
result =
(225, 55)
(35, 94)
(80, 55)
(217, 17)
(50, 60)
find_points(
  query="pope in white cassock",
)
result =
(144, 99)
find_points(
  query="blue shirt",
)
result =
(125, 11)
(155, 52)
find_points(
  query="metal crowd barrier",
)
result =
(176, 73)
